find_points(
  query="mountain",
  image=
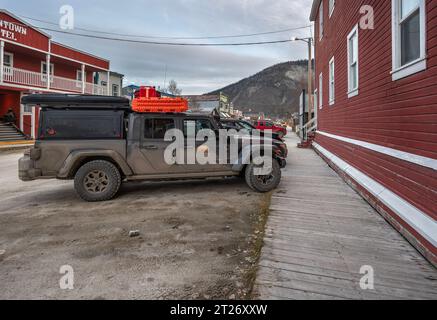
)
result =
(274, 91)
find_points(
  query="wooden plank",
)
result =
(320, 233)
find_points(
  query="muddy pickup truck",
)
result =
(99, 142)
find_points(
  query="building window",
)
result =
(332, 81)
(155, 129)
(79, 78)
(8, 63)
(27, 109)
(321, 91)
(353, 71)
(115, 91)
(331, 7)
(409, 37)
(44, 71)
(321, 21)
(8, 60)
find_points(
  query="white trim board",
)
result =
(402, 155)
(418, 220)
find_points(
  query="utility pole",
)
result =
(310, 80)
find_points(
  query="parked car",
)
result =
(269, 125)
(99, 142)
(243, 124)
(239, 125)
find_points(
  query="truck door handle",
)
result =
(150, 147)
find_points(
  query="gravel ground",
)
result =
(198, 239)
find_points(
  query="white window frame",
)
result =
(52, 71)
(11, 59)
(352, 92)
(418, 65)
(332, 81)
(321, 91)
(79, 78)
(331, 7)
(118, 90)
(321, 21)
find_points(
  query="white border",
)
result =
(418, 220)
(321, 21)
(399, 71)
(402, 155)
(321, 90)
(331, 90)
(352, 92)
(331, 10)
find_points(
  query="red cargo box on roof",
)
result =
(148, 100)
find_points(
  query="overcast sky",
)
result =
(196, 69)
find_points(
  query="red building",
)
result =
(27, 55)
(376, 91)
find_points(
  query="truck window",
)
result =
(80, 124)
(199, 124)
(156, 128)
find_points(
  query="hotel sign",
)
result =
(10, 30)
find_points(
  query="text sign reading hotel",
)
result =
(10, 30)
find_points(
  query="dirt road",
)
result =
(197, 239)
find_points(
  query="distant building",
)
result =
(129, 91)
(252, 115)
(209, 103)
(31, 62)
(115, 82)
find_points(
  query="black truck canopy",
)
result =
(62, 101)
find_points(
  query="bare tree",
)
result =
(173, 88)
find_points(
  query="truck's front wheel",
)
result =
(263, 183)
(97, 181)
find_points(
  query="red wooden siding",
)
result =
(9, 99)
(32, 38)
(38, 40)
(78, 56)
(414, 183)
(398, 114)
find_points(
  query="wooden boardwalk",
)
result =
(319, 235)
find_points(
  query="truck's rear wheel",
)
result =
(97, 181)
(263, 183)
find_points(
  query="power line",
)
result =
(166, 43)
(175, 38)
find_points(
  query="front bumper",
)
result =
(26, 169)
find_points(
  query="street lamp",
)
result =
(309, 41)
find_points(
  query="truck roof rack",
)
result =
(78, 101)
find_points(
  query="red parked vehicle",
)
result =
(269, 125)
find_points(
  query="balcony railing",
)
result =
(23, 77)
(39, 80)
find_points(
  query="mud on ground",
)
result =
(198, 239)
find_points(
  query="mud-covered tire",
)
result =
(97, 181)
(261, 185)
